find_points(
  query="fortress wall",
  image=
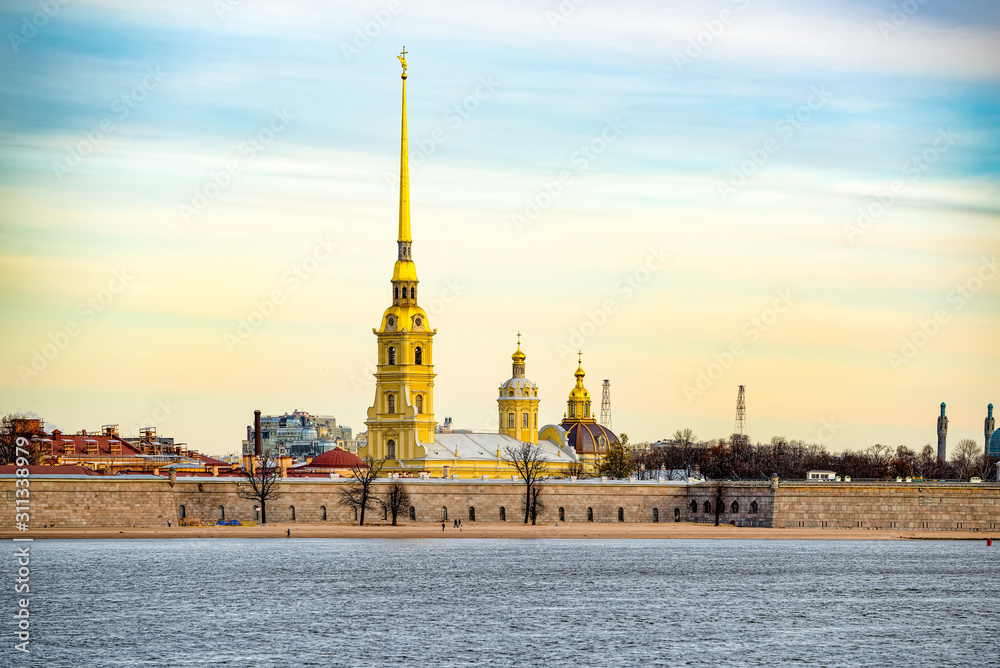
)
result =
(936, 506)
(107, 501)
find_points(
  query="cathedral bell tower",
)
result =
(518, 402)
(402, 415)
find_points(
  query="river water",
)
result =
(340, 602)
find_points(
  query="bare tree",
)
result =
(967, 458)
(536, 505)
(575, 470)
(260, 482)
(396, 499)
(359, 493)
(13, 427)
(718, 502)
(530, 464)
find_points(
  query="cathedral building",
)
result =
(401, 424)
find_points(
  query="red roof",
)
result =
(338, 458)
(63, 470)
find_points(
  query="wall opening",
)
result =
(291, 513)
(735, 507)
(754, 508)
(413, 514)
(444, 513)
(222, 513)
(694, 506)
(590, 514)
(182, 512)
(503, 514)
(562, 514)
(472, 513)
(256, 513)
(656, 514)
(322, 512)
(677, 514)
(621, 514)
(708, 507)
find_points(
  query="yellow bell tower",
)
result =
(402, 415)
(518, 402)
(578, 404)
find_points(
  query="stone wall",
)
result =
(889, 505)
(122, 501)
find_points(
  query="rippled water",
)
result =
(328, 602)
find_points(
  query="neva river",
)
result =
(329, 602)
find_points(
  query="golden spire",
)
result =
(518, 356)
(579, 369)
(404, 173)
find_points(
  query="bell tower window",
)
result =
(418, 356)
(524, 420)
(510, 420)
(413, 293)
(395, 293)
(392, 403)
(420, 404)
(392, 355)
(391, 447)
(572, 410)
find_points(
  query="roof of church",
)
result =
(583, 436)
(338, 458)
(485, 446)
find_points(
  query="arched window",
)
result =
(413, 293)
(590, 514)
(472, 513)
(222, 513)
(413, 514)
(503, 514)
(419, 402)
(391, 446)
(256, 513)
(392, 355)
(572, 410)
(735, 508)
(562, 514)
(510, 420)
(754, 508)
(708, 507)
(418, 356)
(322, 513)
(291, 513)
(694, 506)
(510, 393)
(677, 514)
(444, 512)
(621, 514)
(524, 420)
(656, 514)
(182, 512)
(392, 403)
(395, 293)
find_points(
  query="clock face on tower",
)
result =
(390, 322)
(418, 321)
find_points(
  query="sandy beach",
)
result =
(497, 530)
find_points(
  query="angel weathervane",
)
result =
(402, 61)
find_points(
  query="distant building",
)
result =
(821, 475)
(299, 434)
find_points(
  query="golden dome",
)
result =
(518, 356)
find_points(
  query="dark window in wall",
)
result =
(392, 403)
(562, 514)
(392, 355)
(472, 513)
(413, 293)
(621, 514)
(418, 356)
(503, 514)
(182, 512)
(395, 293)
(322, 512)
(677, 514)
(444, 512)
(694, 506)
(656, 514)
(222, 513)
(590, 514)
(291, 512)
(708, 507)
(754, 508)
(413, 514)
(392, 448)
(735, 508)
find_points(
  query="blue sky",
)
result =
(548, 83)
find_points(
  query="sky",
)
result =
(198, 211)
